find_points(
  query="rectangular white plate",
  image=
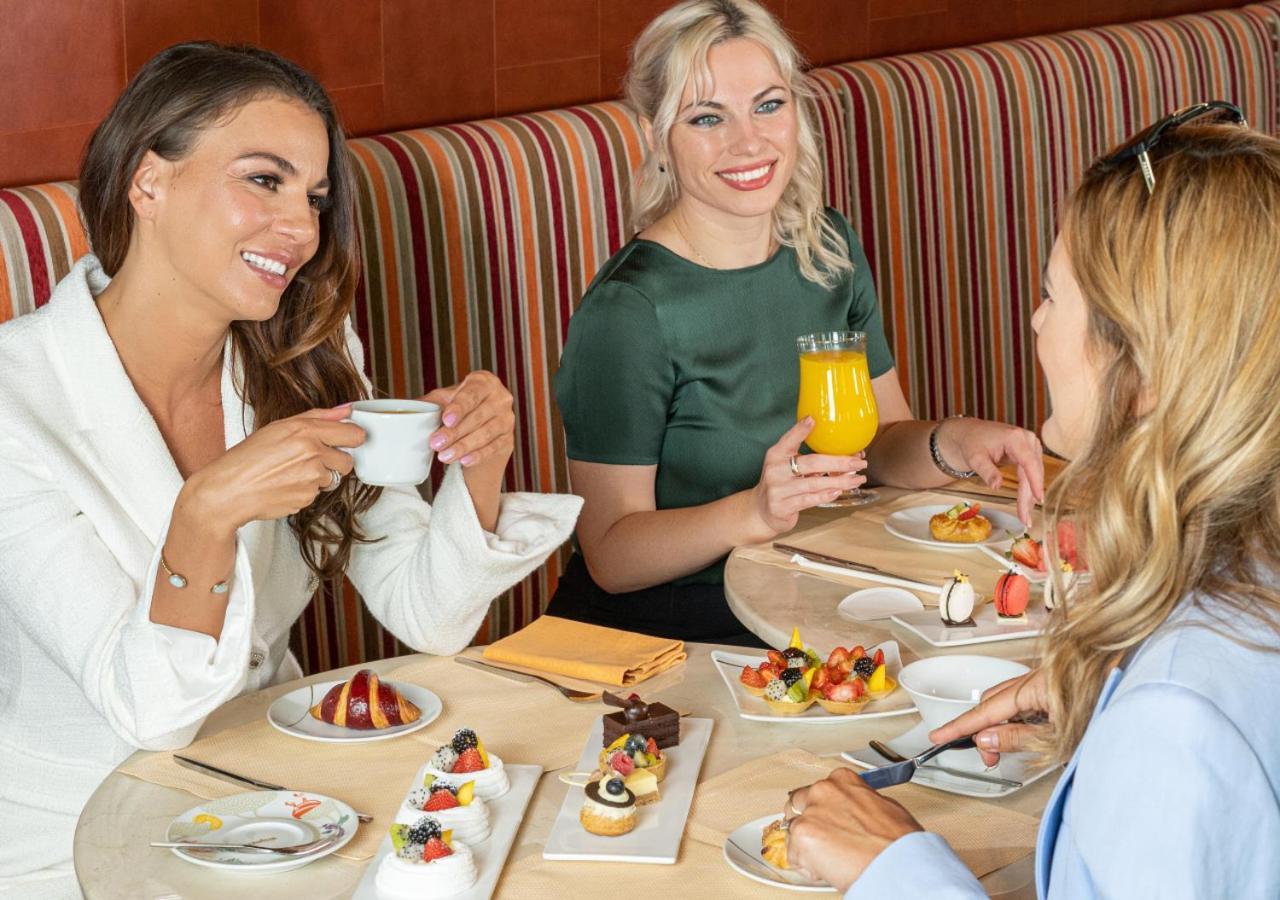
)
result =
(729, 665)
(989, 626)
(659, 826)
(505, 813)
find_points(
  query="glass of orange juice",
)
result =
(835, 388)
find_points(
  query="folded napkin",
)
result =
(986, 837)
(589, 652)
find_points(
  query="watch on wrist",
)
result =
(937, 454)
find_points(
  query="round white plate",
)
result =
(913, 525)
(879, 603)
(272, 818)
(292, 715)
(745, 841)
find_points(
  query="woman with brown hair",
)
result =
(172, 483)
(1157, 336)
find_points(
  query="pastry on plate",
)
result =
(1013, 592)
(425, 862)
(608, 808)
(961, 524)
(365, 702)
(641, 752)
(956, 600)
(465, 755)
(453, 804)
(773, 845)
(651, 720)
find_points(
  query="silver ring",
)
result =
(335, 479)
(795, 469)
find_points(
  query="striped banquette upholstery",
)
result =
(478, 239)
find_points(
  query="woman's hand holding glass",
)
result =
(784, 491)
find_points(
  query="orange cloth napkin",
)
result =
(590, 652)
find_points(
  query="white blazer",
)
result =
(87, 485)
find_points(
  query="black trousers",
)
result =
(689, 612)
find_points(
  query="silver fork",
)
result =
(575, 695)
(292, 850)
(893, 757)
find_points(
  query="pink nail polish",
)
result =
(438, 441)
(467, 460)
(446, 456)
(451, 420)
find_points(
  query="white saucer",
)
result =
(878, 603)
(739, 848)
(913, 525)
(291, 714)
(1015, 766)
(275, 818)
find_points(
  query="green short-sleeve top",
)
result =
(694, 370)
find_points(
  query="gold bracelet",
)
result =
(180, 581)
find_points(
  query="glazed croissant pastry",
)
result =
(365, 702)
(774, 845)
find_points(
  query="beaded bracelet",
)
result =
(937, 454)
(180, 581)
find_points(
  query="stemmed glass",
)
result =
(835, 388)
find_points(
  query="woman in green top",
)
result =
(679, 379)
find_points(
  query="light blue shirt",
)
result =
(1173, 792)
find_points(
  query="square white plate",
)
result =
(989, 626)
(505, 813)
(1015, 766)
(729, 665)
(659, 826)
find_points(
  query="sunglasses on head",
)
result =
(1141, 145)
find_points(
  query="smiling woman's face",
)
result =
(1061, 324)
(733, 151)
(239, 215)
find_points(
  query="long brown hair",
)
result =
(1176, 492)
(296, 360)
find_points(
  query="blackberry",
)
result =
(795, 658)
(864, 666)
(791, 676)
(776, 690)
(464, 739)
(438, 786)
(424, 830)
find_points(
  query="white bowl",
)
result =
(943, 687)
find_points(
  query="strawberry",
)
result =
(469, 761)
(858, 687)
(969, 512)
(434, 849)
(621, 763)
(1067, 550)
(843, 693)
(839, 675)
(777, 659)
(751, 678)
(879, 659)
(1026, 550)
(441, 800)
(837, 657)
(651, 747)
(857, 652)
(769, 672)
(820, 679)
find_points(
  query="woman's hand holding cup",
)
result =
(791, 483)
(477, 422)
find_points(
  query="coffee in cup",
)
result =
(396, 435)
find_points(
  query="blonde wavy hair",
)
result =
(672, 52)
(1177, 491)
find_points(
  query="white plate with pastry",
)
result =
(659, 826)
(913, 525)
(742, 853)
(292, 713)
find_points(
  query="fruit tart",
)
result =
(642, 752)
(453, 803)
(365, 702)
(425, 862)
(961, 524)
(465, 755)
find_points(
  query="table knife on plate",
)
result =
(206, 769)
(901, 773)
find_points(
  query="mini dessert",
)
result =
(426, 862)
(773, 845)
(844, 684)
(365, 702)
(1026, 551)
(608, 808)
(1013, 592)
(1030, 553)
(961, 524)
(644, 784)
(453, 804)
(465, 755)
(651, 720)
(1059, 590)
(640, 752)
(788, 694)
(956, 601)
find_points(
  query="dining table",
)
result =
(113, 858)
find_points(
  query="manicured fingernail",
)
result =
(341, 405)
(446, 455)
(807, 420)
(988, 741)
(451, 419)
(439, 441)
(468, 459)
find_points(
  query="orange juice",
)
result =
(835, 388)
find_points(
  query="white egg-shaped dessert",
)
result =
(956, 600)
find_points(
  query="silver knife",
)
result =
(847, 563)
(900, 773)
(207, 769)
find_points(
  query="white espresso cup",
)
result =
(396, 435)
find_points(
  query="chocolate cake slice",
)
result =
(655, 720)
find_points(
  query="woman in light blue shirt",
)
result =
(1159, 335)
